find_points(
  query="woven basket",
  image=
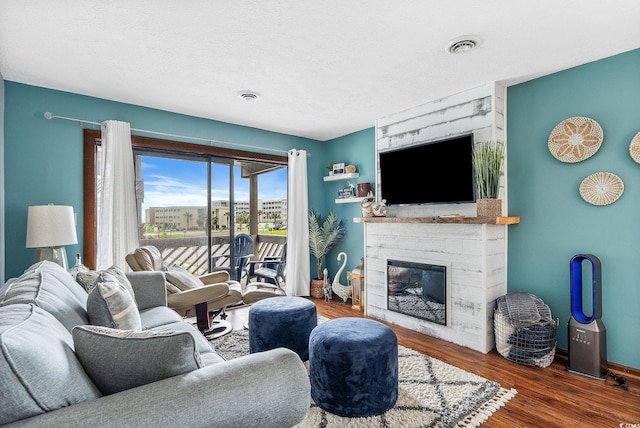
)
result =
(489, 207)
(316, 288)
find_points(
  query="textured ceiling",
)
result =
(323, 68)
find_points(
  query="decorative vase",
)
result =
(364, 189)
(316, 288)
(489, 207)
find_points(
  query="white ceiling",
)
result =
(323, 68)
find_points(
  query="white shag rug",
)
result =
(431, 393)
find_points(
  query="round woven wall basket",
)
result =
(489, 207)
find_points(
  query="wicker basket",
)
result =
(521, 341)
(316, 288)
(489, 207)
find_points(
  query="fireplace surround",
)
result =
(475, 254)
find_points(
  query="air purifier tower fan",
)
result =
(587, 333)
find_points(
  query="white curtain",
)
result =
(117, 223)
(298, 270)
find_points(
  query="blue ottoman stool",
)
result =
(282, 322)
(353, 367)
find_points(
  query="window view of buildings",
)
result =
(272, 215)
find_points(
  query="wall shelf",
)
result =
(440, 220)
(349, 200)
(337, 177)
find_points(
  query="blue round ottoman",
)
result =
(282, 322)
(353, 367)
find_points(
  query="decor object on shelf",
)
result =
(364, 189)
(329, 166)
(344, 291)
(487, 164)
(634, 148)
(347, 192)
(49, 229)
(350, 169)
(380, 208)
(338, 168)
(367, 205)
(601, 188)
(324, 233)
(575, 139)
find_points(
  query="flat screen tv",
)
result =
(438, 172)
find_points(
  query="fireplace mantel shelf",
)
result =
(440, 219)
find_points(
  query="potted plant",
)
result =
(324, 233)
(329, 167)
(487, 165)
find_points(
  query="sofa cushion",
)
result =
(39, 370)
(60, 274)
(111, 304)
(47, 287)
(117, 360)
(158, 316)
(182, 278)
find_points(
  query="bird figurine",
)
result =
(328, 295)
(344, 291)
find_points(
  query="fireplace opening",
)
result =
(418, 290)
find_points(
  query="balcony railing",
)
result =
(192, 254)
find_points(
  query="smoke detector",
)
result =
(249, 95)
(463, 44)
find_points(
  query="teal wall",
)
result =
(43, 158)
(357, 149)
(556, 223)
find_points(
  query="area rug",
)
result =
(431, 393)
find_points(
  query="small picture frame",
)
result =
(338, 168)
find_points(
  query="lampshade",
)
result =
(50, 226)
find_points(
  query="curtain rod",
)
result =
(49, 115)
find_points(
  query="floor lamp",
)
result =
(49, 228)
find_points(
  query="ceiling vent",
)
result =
(248, 95)
(463, 44)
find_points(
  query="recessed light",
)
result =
(463, 44)
(249, 95)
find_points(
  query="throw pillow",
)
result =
(182, 278)
(122, 279)
(110, 304)
(117, 360)
(87, 279)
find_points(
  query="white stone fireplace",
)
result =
(475, 254)
(473, 248)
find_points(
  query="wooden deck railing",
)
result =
(192, 254)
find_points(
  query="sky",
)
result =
(177, 182)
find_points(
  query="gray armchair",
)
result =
(204, 296)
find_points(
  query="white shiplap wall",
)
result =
(476, 253)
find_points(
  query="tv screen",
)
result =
(438, 172)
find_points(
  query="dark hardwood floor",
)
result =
(547, 397)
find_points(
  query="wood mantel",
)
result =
(440, 219)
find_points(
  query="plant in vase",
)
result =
(329, 167)
(324, 233)
(487, 165)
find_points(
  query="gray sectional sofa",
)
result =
(65, 362)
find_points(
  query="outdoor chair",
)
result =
(243, 245)
(270, 269)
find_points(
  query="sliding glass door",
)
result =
(184, 207)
